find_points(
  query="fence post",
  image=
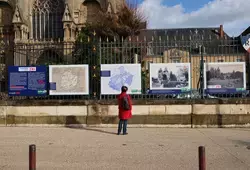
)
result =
(202, 71)
(32, 157)
(136, 58)
(202, 158)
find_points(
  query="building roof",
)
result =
(183, 34)
(214, 39)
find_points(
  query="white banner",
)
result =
(69, 79)
(167, 76)
(114, 76)
(228, 75)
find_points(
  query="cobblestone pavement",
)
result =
(142, 148)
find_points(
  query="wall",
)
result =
(179, 113)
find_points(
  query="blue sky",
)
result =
(189, 5)
(233, 14)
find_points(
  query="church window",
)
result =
(5, 14)
(47, 19)
(89, 11)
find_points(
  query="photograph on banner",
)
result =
(69, 79)
(227, 77)
(27, 81)
(170, 78)
(114, 76)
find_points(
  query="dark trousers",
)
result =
(122, 124)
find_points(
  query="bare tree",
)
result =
(128, 21)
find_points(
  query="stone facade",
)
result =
(42, 20)
(36, 23)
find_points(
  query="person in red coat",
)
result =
(125, 110)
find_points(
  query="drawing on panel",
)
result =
(69, 80)
(120, 78)
(114, 76)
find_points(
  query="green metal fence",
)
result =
(95, 53)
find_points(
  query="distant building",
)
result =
(187, 44)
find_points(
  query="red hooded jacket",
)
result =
(124, 114)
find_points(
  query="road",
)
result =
(142, 148)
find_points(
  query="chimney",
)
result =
(221, 31)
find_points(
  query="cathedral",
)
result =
(37, 31)
(46, 20)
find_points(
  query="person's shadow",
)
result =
(71, 122)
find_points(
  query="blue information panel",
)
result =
(27, 81)
(173, 91)
(226, 91)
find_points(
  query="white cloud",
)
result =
(233, 14)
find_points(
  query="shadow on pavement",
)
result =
(72, 123)
(242, 143)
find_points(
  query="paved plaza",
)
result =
(143, 148)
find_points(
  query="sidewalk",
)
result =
(143, 148)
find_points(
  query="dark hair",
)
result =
(124, 89)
